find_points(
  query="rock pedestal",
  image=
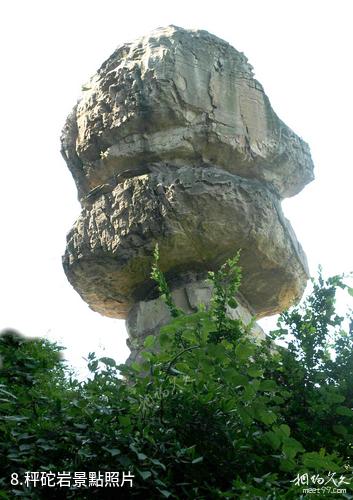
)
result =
(174, 142)
(148, 316)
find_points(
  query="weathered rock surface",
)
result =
(174, 142)
(199, 217)
(184, 97)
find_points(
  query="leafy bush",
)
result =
(210, 413)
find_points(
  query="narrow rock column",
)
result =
(148, 316)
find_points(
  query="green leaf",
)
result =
(108, 361)
(249, 392)
(157, 462)
(343, 410)
(255, 372)
(332, 396)
(216, 351)
(165, 493)
(288, 464)
(273, 438)
(165, 339)
(340, 429)
(255, 384)
(232, 303)
(149, 341)
(182, 367)
(14, 418)
(246, 414)
(319, 461)
(235, 378)
(113, 451)
(244, 351)
(24, 447)
(284, 430)
(124, 420)
(145, 474)
(189, 335)
(197, 460)
(124, 461)
(291, 447)
(265, 416)
(278, 435)
(268, 386)
(147, 355)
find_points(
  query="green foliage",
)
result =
(319, 361)
(226, 282)
(209, 413)
(163, 287)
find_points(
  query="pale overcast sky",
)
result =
(302, 54)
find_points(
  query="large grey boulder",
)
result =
(185, 97)
(174, 142)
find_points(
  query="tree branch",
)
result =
(179, 354)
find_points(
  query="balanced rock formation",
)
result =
(174, 142)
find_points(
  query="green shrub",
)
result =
(210, 413)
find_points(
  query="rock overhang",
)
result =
(199, 218)
(174, 141)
